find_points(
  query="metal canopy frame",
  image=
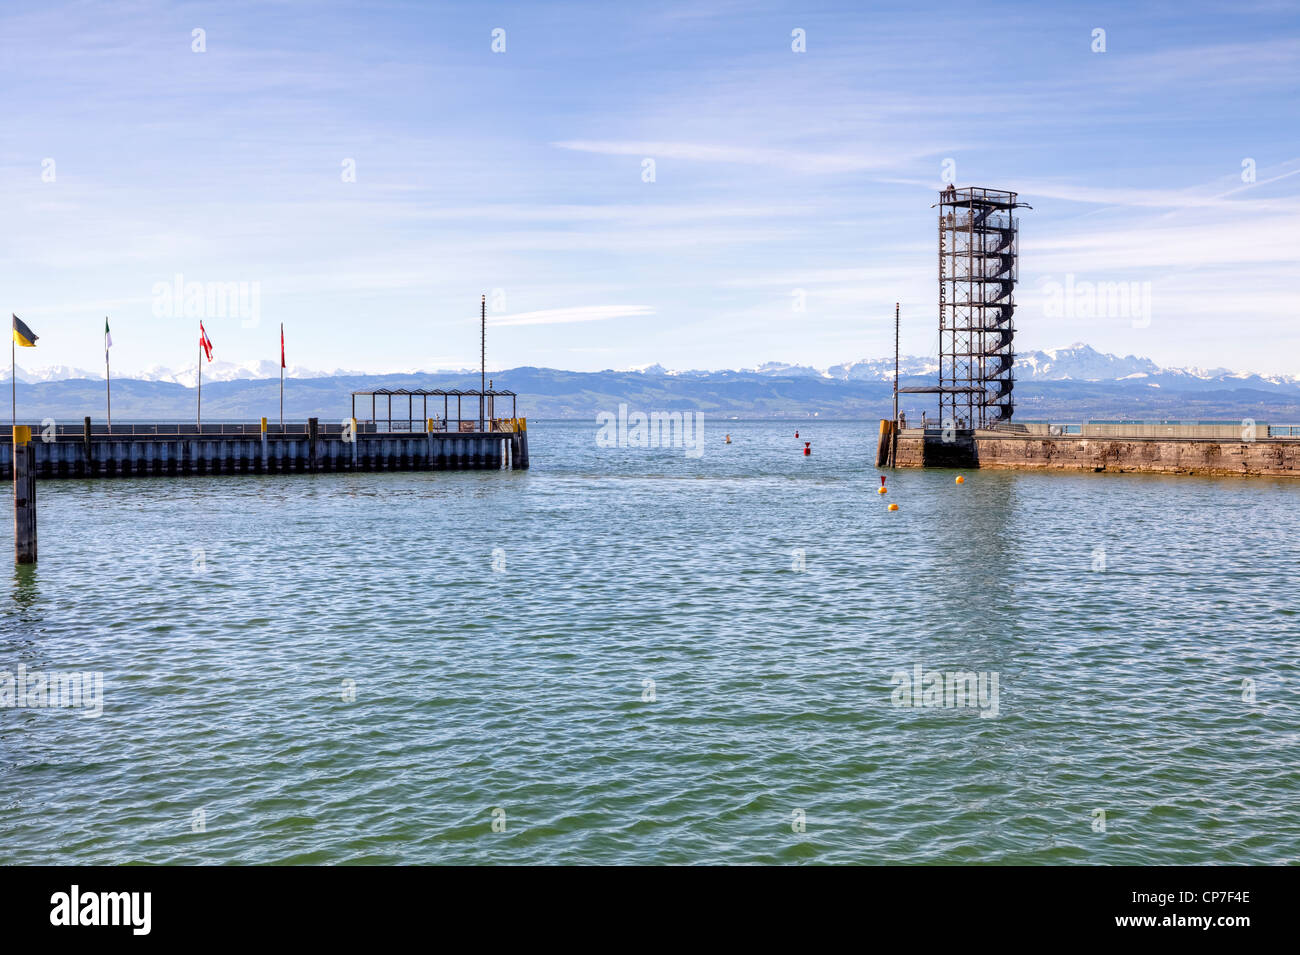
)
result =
(446, 394)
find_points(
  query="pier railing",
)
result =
(254, 428)
(174, 429)
(1242, 429)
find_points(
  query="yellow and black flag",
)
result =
(23, 335)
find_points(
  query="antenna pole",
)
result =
(895, 364)
(482, 357)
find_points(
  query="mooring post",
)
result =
(264, 442)
(355, 442)
(24, 496)
(313, 428)
(86, 446)
(885, 444)
(521, 462)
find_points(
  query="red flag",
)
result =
(282, 365)
(204, 343)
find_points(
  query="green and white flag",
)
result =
(108, 339)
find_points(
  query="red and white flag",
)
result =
(282, 345)
(204, 342)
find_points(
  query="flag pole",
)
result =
(108, 378)
(282, 377)
(13, 379)
(199, 418)
(482, 352)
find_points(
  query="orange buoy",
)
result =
(882, 490)
(960, 479)
(893, 507)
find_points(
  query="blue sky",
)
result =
(522, 171)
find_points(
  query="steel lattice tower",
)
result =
(978, 245)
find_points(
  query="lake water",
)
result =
(456, 667)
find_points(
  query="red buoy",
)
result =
(796, 434)
(807, 448)
(882, 480)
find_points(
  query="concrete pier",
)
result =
(1264, 455)
(166, 451)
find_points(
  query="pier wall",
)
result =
(105, 455)
(1158, 455)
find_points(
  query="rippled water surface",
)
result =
(1122, 615)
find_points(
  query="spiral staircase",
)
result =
(978, 270)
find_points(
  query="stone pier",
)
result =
(1156, 454)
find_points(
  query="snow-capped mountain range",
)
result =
(188, 375)
(1077, 362)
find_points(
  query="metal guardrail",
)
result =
(997, 222)
(1013, 427)
(1055, 429)
(254, 429)
(173, 430)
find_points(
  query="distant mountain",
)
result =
(1077, 362)
(52, 373)
(229, 371)
(188, 374)
(1063, 384)
(882, 369)
(779, 369)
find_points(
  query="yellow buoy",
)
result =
(882, 490)
(960, 479)
(893, 507)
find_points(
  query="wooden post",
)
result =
(86, 455)
(264, 443)
(355, 443)
(313, 428)
(24, 497)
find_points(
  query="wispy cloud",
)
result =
(791, 160)
(581, 313)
